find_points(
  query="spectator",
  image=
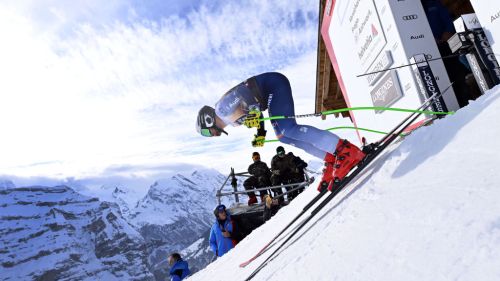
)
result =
(221, 238)
(260, 177)
(297, 175)
(179, 268)
(281, 168)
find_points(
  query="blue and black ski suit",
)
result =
(272, 91)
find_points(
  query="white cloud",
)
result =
(83, 95)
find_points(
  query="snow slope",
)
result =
(427, 209)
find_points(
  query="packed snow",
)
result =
(426, 209)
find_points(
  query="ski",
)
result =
(324, 190)
(388, 139)
(304, 210)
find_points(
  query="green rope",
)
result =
(354, 128)
(385, 108)
(348, 127)
(328, 112)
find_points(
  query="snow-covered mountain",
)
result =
(4, 184)
(175, 214)
(55, 233)
(426, 209)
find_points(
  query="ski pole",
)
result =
(329, 112)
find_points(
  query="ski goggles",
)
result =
(206, 133)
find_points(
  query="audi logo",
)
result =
(410, 17)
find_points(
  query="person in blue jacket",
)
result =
(179, 268)
(220, 233)
(272, 91)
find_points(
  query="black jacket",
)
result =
(284, 165)
(259, 169)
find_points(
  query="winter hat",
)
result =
(280, 150)
(219, 209)
(255, 154)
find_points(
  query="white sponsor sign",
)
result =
(383, 62)
(387, 91)
(488, 13)
(365, 36)
(367, 33)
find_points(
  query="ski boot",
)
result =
(347, 156)
(327, 177)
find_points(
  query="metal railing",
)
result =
(235, 192)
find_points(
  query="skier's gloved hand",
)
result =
(269, 201)
(258, 141)
(252, 120)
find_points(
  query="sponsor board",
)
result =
(364, 23)
(383, 62)
(353, 53)
(427, 82)
(387, 91)
(478, 73)
(487, 55)
(488, 13)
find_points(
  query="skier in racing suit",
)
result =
(272, 91)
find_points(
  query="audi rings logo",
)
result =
(410, 17)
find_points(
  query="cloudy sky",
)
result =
(113, 87)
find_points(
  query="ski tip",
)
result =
(244, 264)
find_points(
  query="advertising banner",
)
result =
(488, 13)
(485, 52)
(369, 42)
(469, 25)
(481, 80)
(427, 82)
(362, 19)
(387, 91)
